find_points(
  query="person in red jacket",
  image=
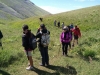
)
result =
(77, 34)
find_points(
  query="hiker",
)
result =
(55, 23)
(76, 34)
(42, 26)
(62, 25)
(65, 38)
(1, 36)
(59, 24)
(71, 26)
(41, 19)
(43, 48)
(26, 44)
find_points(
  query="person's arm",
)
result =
(38, 35)
(38, 30)
(23, 41)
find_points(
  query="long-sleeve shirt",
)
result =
(76, 32)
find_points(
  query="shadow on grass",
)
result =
(70, 56)
(59, 70)
(64, 70)
(3, 73)
(41, 72)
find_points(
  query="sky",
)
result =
(59, 6)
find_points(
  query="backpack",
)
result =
(33, 42)
(45, 39)
(77, 32)
(66, 37)
(1, 35)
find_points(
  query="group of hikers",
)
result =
(43, 40)
(69, 33)
(68, 38)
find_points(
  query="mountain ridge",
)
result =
(21, 9)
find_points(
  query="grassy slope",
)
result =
(87, 19)
(18, 8)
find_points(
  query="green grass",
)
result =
(13, 60)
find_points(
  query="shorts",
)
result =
(28, 53)
(76, 37)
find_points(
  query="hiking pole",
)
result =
(59, 49)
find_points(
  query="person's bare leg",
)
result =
(30, 60)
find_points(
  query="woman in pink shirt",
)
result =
(65, 39)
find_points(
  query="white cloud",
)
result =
(53, 10)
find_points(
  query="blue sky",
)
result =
(58, 6)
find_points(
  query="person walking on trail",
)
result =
(58, 24)
(1, 36)
(41, 19)
(71, 26)
(43, 41)
(55, 22)
(27, 47)
(77, 34)
(65, 38)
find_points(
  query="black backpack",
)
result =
(33, 42)
(1, 35)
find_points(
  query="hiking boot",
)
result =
(30, 68)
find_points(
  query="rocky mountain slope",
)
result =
(11, 9)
